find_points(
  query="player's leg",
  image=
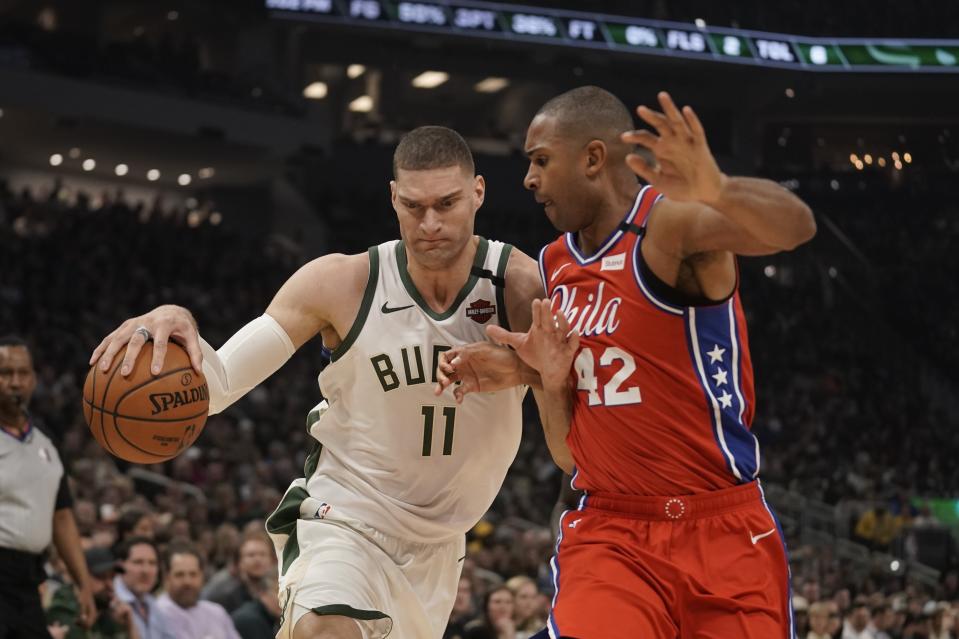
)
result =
(737, 581)
(314, 626)
(608, 586)
(426, 581)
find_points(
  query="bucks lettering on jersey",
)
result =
(394, 455)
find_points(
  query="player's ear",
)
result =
(479, 190)
(393, 192)
(596, 155)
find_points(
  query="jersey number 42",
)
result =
(613, 392)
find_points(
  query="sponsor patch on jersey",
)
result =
(480, 311)
(614, 262)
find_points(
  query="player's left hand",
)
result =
(475, 368)
(685, 168)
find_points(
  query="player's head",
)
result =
(436, 193)
(575, 154)
(17, 377)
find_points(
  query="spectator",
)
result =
(943, 621)
(254, 560)
(528, 618)
(463, 610)
(139, 561)
(35, 504)
(189, 617)
(114, 617)
(819, 621)
(260, 618)
(877, 528)
(857, 625)
(496, 622)
(134, 522)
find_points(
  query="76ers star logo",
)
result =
(480, 311)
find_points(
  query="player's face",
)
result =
(185, 580)
(555, 176)
(17, 379)
(436, 209)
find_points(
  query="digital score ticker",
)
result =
(574, 29)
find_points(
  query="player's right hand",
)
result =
(476, 368)
(164, 323)
(549, 346)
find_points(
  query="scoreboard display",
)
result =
(635, 35)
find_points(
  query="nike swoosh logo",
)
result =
(387, 309)
(756, 538)
(556, 272)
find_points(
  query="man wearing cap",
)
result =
(35, 505)
(115, 618)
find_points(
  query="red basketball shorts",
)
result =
(706, 566)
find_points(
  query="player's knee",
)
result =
(313, 626)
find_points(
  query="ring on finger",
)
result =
(145, 332)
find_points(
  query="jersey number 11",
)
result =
(429, 412)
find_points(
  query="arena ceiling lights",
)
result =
(430, 79)
(698, 41)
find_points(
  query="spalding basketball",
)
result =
(145, 418)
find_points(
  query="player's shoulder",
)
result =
(345, 268)
(522, 274)
(328, 281)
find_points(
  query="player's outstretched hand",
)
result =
(161, 325)
(685, 168)
(477, 368)
(549, 346)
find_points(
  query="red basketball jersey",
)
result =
(664, 393)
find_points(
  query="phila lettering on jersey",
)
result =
(664, 390)
(391, 453)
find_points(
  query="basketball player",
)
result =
(371, 541)
(643, 345)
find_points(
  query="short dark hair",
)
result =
(180, 548)
(13, 340)
(589, 112)
(122, 551)
(432, 147)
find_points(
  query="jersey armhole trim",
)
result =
(501, 313)
(365, 305)
(344, 610)
(641, 283)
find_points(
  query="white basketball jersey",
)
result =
(394, 455)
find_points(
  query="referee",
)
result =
(35, 505)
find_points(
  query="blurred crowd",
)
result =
(841, 348)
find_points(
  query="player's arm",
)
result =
(485, 366)
(297, 313)
(524, 285)
(705, 210)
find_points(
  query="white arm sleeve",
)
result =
(254, 353)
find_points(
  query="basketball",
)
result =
(145, 418)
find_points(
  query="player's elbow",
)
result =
(803, 229)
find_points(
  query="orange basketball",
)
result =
(145, 418)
